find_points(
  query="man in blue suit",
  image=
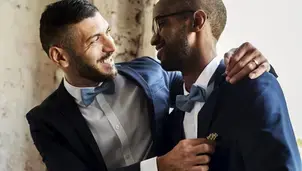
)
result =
(105, 116)
(248, 121)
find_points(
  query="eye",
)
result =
(161, 23)
(95, 39)
(108, 30)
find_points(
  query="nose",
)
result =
(108, 44)
(155, 39)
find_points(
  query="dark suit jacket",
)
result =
(62, 136)
(253, 124)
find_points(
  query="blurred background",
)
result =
(27, 76)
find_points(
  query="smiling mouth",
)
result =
(106, 60)
(159, 50)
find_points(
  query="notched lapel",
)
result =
(72, 113)
(207, 113)
(175, 120)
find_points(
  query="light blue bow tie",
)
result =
(88, 94)
(186, 102)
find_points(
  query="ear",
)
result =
(59, 56)
(199, 20)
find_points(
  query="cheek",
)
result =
(94, 53)
(170, 37)
(191, 39)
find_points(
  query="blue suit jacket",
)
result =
(62, 136)
(253, 124)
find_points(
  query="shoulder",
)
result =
(147, 67)
(47, 106)
(259, 101)
(141, 61)
(265, 85)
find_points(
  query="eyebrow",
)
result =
(97, 34)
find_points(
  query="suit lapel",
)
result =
(206, 114)
(71, 111)
(176, 119)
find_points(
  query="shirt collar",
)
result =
(205, 76)
(75, 92)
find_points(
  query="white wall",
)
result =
(274, 27)
(26, 77)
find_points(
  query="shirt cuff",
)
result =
(149, 165)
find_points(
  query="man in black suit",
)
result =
(104, 116)
(249, 120)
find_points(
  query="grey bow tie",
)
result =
(88, 95)
(186, 103)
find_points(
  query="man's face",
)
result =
(91, 51)
(170, 36)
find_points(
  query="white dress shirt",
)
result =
(119, 124)
(190, 122)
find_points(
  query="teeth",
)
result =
(107, 60)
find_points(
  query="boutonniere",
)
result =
(212, 136)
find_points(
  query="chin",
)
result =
(170, 66)
(167, 66)
(110, 74)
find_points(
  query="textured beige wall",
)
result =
(26, 78)
(131, 22)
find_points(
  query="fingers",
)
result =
(260, 70)
(202, 159)
(200, 168)
(246, 61)
(248, 57)
(195, 141)
(184, 156)
(227, 56)
(249, 69)
(203, 149)
(239, 53)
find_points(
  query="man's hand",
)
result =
(187, 155)
(243, 61)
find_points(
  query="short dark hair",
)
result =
(216, 11)
(56, 20)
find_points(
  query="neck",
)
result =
(80, 82)
(195, 67)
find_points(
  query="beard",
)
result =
(176, 53)
(89, 71)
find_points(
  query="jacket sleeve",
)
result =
(175, 86)
(272, 71)
(57, 156)
(268, 142)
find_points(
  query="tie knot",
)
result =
(88, 94)
(186, 102)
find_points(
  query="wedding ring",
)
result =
(256, 62)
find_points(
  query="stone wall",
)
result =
(28, 76)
